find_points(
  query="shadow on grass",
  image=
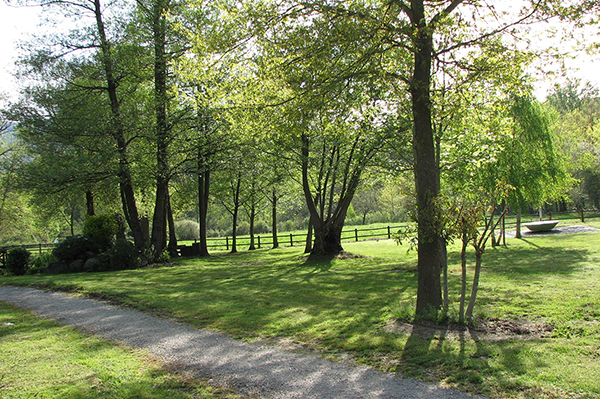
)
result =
(518, 263)
(469, 362)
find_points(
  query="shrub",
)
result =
(261, 227)
(163, 257)
(123, 255)
(187, 230)
(101, 230)
(77, 247)
(17, 261)
(243, 229)
(41, 262)
(215, 233)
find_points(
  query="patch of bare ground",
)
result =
(342, 255)
(348, 255)
(484, 330)
(570, 229)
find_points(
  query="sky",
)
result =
(18, 23)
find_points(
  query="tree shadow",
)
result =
(472, 363)
(530, 262)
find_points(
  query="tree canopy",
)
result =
(143, 100)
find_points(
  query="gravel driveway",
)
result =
(267, 372)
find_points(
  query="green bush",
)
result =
(164, 257)
(17, 261)
(41, 262)
(187, 230)
(123, 255)
(215, 233)
(261, 227)
(77, 247)
(243, 229)
(101, 231)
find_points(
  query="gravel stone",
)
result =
(251, 369)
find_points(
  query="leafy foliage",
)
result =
(41, 262)
(100, 230)
(187, 230)
(17, 261)
(123, 255)
(76, 247)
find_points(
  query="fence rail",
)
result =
(291, 239)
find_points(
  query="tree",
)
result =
(366, 201)
(209, 83)
(166, 45)
(529, 161)
(108, 63)
(399, 48)
(474, 224)
(207, 142)
(61, 127)
(577, 137)
(339, 153)
(232, 195)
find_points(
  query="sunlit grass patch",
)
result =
(539, 305)
(40, 359)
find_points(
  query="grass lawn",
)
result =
(41, 359)
(538, 310)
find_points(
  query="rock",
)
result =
(56, 268)
(93, 265)
(76, 266)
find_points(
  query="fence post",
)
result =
(258, 242)
(389, 233)
(356, 234)
(40, 249)
(291, 240)
(227, 243)
(582, 217)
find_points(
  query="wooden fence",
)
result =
(225, 243)
(299, 239)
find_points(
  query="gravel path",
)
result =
(252, 369)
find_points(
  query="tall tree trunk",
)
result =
(172, 247)
(328, 239)
(427, 177)
(475, 287)
(236, 208)
(89, 202)
(234, 231)
(308, 245)
(203, 189)
(72, 221)
(274, 218)
(463, 279)
(159, 221)
(252, 247)
(130, 210)
(314, 220)
(518, 226)
(328, 230)
(445, 294)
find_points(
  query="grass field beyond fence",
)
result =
(538, 311)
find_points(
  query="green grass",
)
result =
(348, 306)
(41, 359)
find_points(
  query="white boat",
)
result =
(543, 225)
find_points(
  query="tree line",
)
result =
(142, 103)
